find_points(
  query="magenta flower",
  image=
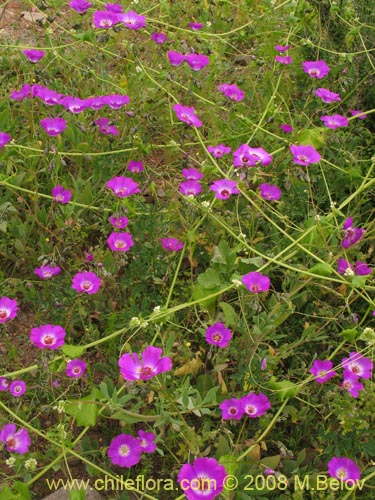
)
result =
(116, 101)
(190, 188)
(46, 272)
(286, 128)
(132, 368)
(8, 309)
(17, 388)
(80, 6)
(23, 93)
(224, 188)
(357, 365)
(334, 121)
(53, 126)
(125, 450)
(48, 336)
(322, 370)
(359, 114)
(136, 167)
(231, 91)
(33, 55)
(255, 405)
(232, 409)
(351, 384)
(352, 234)
(245, 156)
(256, 282)
(304, 155)
(175, 58)
(172, 244)
(344, 267)
(326, 95)
(316, 69)
(187, 115)
(75, 368)
(283, 59)
(159, 38)
(219, 151)
(344, 469)
(114, 7)
(203, 479)
(61, 195)
(4, 384)
(270, 192)
(86, 282)
(218, 335)
(96, 102)
(197, 61)
(105, 128)
(75, 104)
(105, 19)
(196, 26)
(123, 186)
(119, 222)
(147, 441)
(282, 48)
(16, 442)
(120, 242)
(132, 20)
(49, 97)
(192, 174)
(362, 269)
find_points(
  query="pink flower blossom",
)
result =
(53, 126)
(119, 222)
(175, 58)
(86, 282)
(33, 55)
(74, 104)
(187, 115)
(282, 48)
(326, 95)
(345, 470)
(15, 441)
(217, 334)
(256, 282)
(4, 384)
(190, 188)
(48, 336)
(114, 7)
(334, 121)
(105, 127)
(316, 69)
(250, 157)
(80, 6)
(343, 266)
(219, 151)
(132, 20)
(224, 188)
(105, 19)
(147, 441)
(352, 234)
(120, 242)
(362, 269)
(359, 114)
(133, 368)
(196, 26)
(232, 409)
(159, 38)
(123, 186)
(135, 167)
(192, 174)
(197, 61)
(322, 370)
(4, 139)
(203, 479)
(357, 365)
(8, 309)
(61, 195)
(255, 405)
(231, 91)
(270, 192)
(46, 272)
(172, 244)
(304, 155)
(286, 128)
(283, 59)
(17, 388)
(125, 450)
(75, 368)
(351, 384)
(116, 101)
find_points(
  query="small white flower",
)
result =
(156, 310)
(208, 23)
(144, 324)
(31, 464)
(205, 204)
(10, 461)
(134, 322)
(138, 69)
(236, 283)
(349, 272)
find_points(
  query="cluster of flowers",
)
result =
(283, 59)
(16, 388)
(125, 450)
(195, 61)
(15, 441)
(112, 15)
(346, 268)
(253, 405)
(355, 367)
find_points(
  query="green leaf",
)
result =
(230, 315)
(359, 281)
(321, 269)
(23, 491)
(6, 494)
(350, 334)
(77, 494)
(209, 279)
(284, 389)
(316, 137)
(73, 351)
(84, 410)
(271, 462)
